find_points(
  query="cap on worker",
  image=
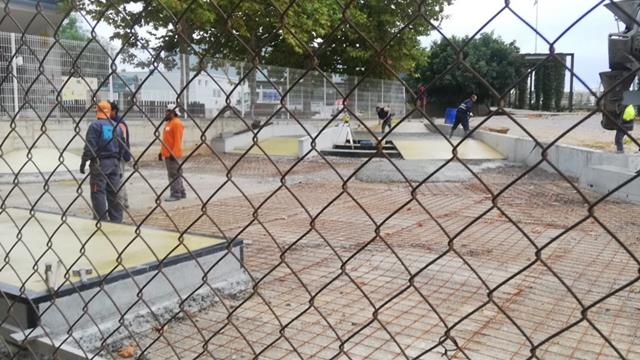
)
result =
(103, 110)
(174, 108)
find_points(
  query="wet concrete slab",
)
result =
(276, 146)
(435, 148)
(43, 160)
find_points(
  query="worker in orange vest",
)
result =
(171, 152)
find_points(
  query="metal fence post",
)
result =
(241, 89)
(14, 73)
(324, 94)
(111, 87)
(404, 101)
(356, 105)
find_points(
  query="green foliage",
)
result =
(278, 32)
(559, 71)
(494, 60)
(537, 88)
(72, 30)
(522, 91)
(546, 85)
(549, 85)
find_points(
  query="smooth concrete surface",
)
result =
(282, 140)
(230, 143)
(605, 178)
(101, 247)
(323, 140)
(63, 132)
(43, 160)
(594, 169)
(275, 146)
(162, 290)
(438, 148)
(406, 127)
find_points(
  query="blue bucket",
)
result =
(450, 116)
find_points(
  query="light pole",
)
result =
(535, 3)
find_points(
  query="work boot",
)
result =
(172, 198)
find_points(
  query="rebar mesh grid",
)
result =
(518, 262)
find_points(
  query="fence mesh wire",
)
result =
(292, 257)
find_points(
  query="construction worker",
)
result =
(122, 194)
(104, 147)
(463, 113)
(384, 115)
(625, 123)
(171, 152)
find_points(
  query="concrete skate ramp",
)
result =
(439, 149)
(275, 146)
(101, 249)
(127, 263)
(406, 127)
(46, 160)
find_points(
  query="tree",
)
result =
(559, 72)
(497, 62)
(300, 34)
(522, 89)
(72, 30)
(549, 84)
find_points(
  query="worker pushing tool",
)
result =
(463, 113)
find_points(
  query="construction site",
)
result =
(318, 181)
(329, 256)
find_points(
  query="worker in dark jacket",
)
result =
(103, 150)
(463, 113)
(384, 115)
(123, 197)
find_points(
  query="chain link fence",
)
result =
(41, 67)
(269, 254)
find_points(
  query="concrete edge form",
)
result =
(595, 170)
(139, 301)
(323, 140)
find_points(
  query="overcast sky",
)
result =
(587, 39)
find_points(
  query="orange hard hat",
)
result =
(103, 110)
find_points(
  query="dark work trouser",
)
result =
(174, 173)
(462, 117)
(123, 197)
(619, 140)
(104, 181)
(386, 123)
(620, 134)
